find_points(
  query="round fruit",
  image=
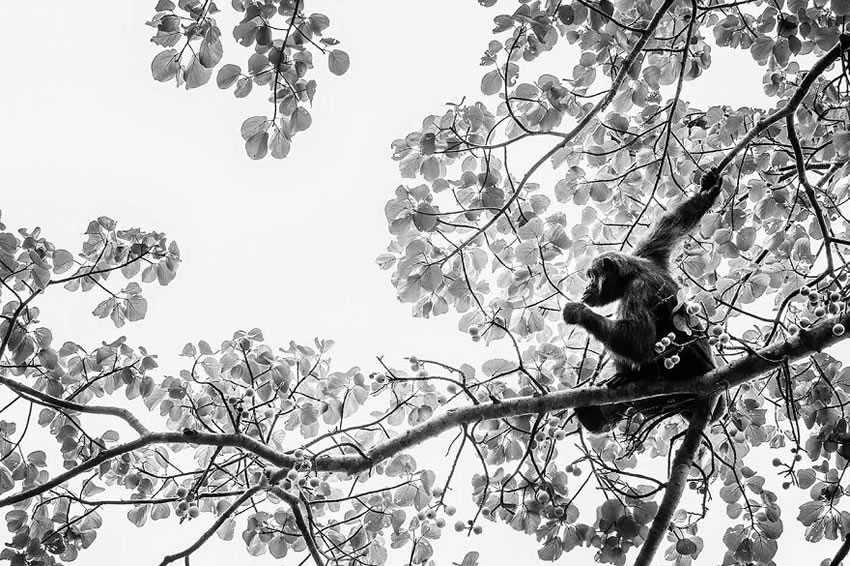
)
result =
(819, 312)
(477, 529)
(194, 512)
(838, 329)
(450, 510)
(181, 492)
(460, 526)
(804, 290)
(716, 330)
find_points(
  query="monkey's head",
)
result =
(607, 277)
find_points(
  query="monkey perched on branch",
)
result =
(648, 293)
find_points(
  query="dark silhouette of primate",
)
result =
(648, 301)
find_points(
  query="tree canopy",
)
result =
(506, 197)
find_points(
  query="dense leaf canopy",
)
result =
(504, 203)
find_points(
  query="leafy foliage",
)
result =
(297, 457)
(284, 39)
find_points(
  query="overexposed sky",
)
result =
(285, 246)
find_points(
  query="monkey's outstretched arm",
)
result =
(630, 338)
(657, 243)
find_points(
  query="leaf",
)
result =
(196, 74)
(301, 119)
(210, 53)
(338, 62)
(279, 145)
(37, 458)
(491, 83)
(243, 87)
(470, 559)
(551, 550)
(528, 252)
(840, 7)
(425, 218)
(165, 66)
(810, 512)
(228, 75)
(253, 126)
(277, 547)
(841, 140)
(226, 530)
(137, 308)
(257, 146)
(138, 515)
(62, 261)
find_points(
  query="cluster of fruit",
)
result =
(819, 305)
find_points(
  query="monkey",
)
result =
(642, 281)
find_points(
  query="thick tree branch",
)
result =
(682, 463)
(46, 400)
(842, 552)
(739, 371)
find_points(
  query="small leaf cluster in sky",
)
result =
(284, 39)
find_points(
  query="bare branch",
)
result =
(212, 529)
(302, 524)
(796, 99)
(675, 486)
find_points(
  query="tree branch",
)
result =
(842, 552)
(796, 99)
(616, 83)
(675, 486)
(212, 529)
(292, 501)
(46, 400)
(735, 373)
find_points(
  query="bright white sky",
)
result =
(285, 246)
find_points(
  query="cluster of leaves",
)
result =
(284, 39)
(241, 406)
(504, 250)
